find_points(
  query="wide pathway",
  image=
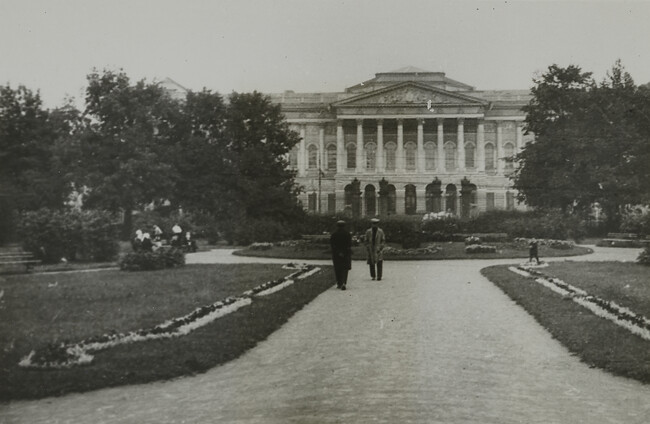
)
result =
(434, 342)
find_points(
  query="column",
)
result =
(441, 146)
(400, 147)
(520, 135)
(460, 141)
(322, 158)
(301, 152)
(500, 148)
(381, 161)
(480, 145)
(420, 164)
(359, 167)
(340, 149)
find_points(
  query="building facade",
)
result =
(406, 142)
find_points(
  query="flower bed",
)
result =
(429, 249)
(553, 244)
(66, 355)
(637, 324)
(480, 248)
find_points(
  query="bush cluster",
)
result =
(51, 235)
(636, 222)
(149, 261)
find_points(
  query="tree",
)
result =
(123, 144)
(28, 132)
(591, 141)
(233, 163)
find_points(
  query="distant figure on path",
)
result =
(532, 251)
(341, 244)
(375, 242)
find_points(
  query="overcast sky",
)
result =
(313, 45)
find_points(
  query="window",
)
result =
(352, 156)
(331, 203)
(510, 200)
(450, 156)
(312, 154)
(430, 156)
(470, 154)
(410, 153)
(489, 157)
(371, 155)
(509, 152)
(489, 201)
(410, 199)
(390, 156)
(311, 201)
(331, 157)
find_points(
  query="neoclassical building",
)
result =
(406, 142)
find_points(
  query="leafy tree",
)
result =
(122, 147)
(591, 142)
(233, 163)
(28, 132)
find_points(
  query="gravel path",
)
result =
(435, 342)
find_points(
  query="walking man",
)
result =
(533, 251)
(341, 244)
(375, 242)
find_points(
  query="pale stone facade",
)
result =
(406, 142)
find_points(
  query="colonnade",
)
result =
(420, 156)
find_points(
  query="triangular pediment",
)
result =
(410, 94)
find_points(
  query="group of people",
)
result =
(341, 244)
(144, 242)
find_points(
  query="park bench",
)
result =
(623, 236)
(14, 261)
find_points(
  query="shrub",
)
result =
(644, 257)
(84, 235)
(246, 231)
(636, 222)
(411, 240)
(149, 261)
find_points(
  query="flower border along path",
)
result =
(635, 323)
(68, 355)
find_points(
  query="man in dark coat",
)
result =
(341, 243)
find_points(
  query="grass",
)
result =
(450, 250)
(38, 309)
(596, 341)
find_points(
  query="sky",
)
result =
(313, 45)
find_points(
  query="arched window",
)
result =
(470, 155)
(430, 155)
(312, 154)
(450, 155)
(351, 151)
(450, 198)
(509, 152)
(410, 150)
(331, 157)
(371, 155)
(390, 149)
(410, 199)
(370, 198)
(489, 157)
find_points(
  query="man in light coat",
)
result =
(375, 241)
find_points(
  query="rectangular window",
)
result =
(510, 201)
(489, 201)
(312, 202)
(331, 203)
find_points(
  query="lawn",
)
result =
(38, 309)
(596, 341)
(447, 250)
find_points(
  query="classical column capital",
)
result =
(461, 121)
(440, 121)
(400, 121)
(359, 121)
(380, 121)
(421, 121)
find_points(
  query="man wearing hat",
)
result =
(375, 243)
(341, 244)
